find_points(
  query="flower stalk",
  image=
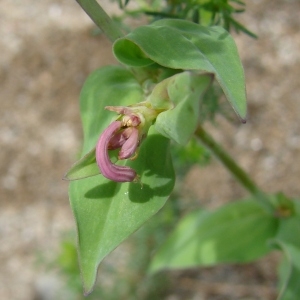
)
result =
(101, 19)
(233, 167)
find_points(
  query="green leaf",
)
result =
(107, 212)
(289, 272)
(288, 240)
(239, 27)
(179, 44)
(83, 168)
(185, 91)
(236, 232)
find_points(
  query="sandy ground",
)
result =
(47, 50)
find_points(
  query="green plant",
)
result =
(168, 69)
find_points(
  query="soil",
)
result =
(47, 50)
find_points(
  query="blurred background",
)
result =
(47, 49)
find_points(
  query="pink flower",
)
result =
(114, 137)
(126, 133)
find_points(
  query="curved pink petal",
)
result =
(130, 145)
(107, 168)
(118, 139)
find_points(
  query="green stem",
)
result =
(233, 167)
(101, 19)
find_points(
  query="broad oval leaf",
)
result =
(107, 212)
(179, 44)
(236, 232)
